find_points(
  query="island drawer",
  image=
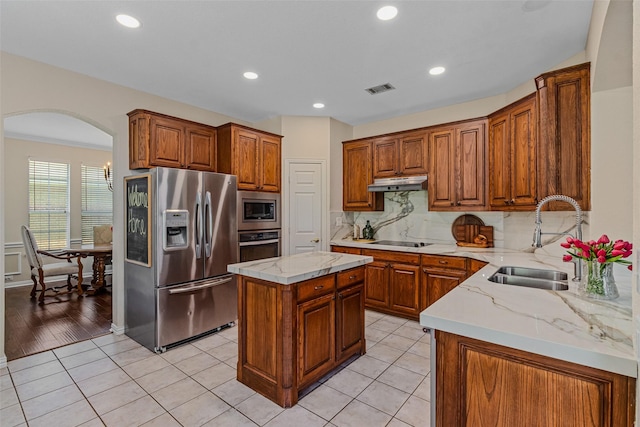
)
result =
(391, 256)
(315, 287)
(349, 277)
(444, 261)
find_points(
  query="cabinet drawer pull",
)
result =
(317, 288)
(352, 277)
(443, 262)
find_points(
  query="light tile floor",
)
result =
(113, 381)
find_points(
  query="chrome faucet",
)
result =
(537, 234)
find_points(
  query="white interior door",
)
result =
(305, 207)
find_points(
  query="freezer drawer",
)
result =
(187, 310)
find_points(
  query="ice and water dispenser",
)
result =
(175, 227)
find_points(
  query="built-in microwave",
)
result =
(258, 210)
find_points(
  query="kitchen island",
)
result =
(299, 318)
(504, 354)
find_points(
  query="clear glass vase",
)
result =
(598, 281)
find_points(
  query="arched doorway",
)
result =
(49, 137)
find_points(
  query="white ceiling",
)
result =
(304, 51)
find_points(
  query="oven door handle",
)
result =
(199, 287)
(258, 242)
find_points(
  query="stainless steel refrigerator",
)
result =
(177, 286)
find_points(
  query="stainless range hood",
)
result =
(408, 183)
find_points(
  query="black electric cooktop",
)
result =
(399, 243)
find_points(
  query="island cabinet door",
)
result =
(316, 338)
(350, 322)
(484, 384)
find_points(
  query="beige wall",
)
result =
(18, 153)
(612, 164)
(16, 170)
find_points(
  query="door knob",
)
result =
(316, 240)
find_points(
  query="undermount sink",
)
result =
(531, 278)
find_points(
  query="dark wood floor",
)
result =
(31, 328)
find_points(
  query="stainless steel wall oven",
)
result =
(254, 245)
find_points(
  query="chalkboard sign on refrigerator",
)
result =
(138, 219)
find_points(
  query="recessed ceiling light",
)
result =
(436, 70)
(387, 12)
(128, 21)
(250, 75)
(318, 105)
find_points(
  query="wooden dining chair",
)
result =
(103, 235)
(40, 270)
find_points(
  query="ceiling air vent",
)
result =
(379, 89)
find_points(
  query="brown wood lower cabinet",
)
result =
(392, 283)
(484, 384)
(440, 274)
(404, 284)
(290, 336)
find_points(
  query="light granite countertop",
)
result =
(559, 324)
(292, 269)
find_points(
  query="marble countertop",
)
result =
(291, 269)
(558, 324)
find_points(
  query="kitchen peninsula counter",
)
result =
(535, 345)
(299, 318)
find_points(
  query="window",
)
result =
(49, 203)
(97, 201)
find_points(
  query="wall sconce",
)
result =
(107, 176)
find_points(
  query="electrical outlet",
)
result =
(338, 221)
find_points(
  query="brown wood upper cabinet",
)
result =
(252, 155)
(512, 156)
(565, 135)
(160, 140)
(457, 167)
(357, 174)
(400, 155)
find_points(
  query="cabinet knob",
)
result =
(352, 277)
(458, 203)
(443, 262)
(316, 240)
(317, 288)
(513, 201)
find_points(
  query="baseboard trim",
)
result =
(118, 330)
(3, 361)
(8, 285)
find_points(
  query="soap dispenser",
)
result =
(367, 231)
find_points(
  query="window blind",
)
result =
(49, 203)
(97, 201)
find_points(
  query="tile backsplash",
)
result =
(407, 218)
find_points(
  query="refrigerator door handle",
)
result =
(200, 287)
(208, 228)
(198, 226)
